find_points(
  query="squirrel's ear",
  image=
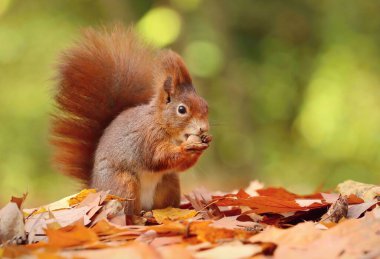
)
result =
(168, 88)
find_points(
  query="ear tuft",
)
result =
(168, 88)
(168, 85)
(174, 66)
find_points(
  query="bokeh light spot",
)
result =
(4, 5)
(160, 26)
(204, 58)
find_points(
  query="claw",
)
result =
(206, 138)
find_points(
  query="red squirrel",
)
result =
(128, 118)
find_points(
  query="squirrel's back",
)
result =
(105, 73)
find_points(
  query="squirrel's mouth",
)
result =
(190, 134)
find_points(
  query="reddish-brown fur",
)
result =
(98, 78)
(118, 125)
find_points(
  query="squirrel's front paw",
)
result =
(196, 147)
(206, 138)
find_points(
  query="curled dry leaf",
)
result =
(337, 211)
(356, 210)
(19, 200)
(11, 224)
(367, 192)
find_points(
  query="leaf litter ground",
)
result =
(255, 222)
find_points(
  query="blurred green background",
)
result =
(293, 86)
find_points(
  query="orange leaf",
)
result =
(266, 204)
(206, 233)
(19, 200)
(73, 235)
(353, 199)
(285, 194)
(278, 193)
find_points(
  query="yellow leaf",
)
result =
(114, 197)
(80, 196)
(172, 214)
(64, 203)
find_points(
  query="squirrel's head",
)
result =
(182, 111)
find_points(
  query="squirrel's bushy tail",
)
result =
(105, 73)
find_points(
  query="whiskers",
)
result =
(217, 124)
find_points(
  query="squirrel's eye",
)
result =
(182, 109)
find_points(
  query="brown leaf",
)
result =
(201, 199)
(337, 211)
(19, 200)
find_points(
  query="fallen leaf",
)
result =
(12, 224)
(300, 234)
(266, 204)
(19, 200)
(172, 214)
(38, 222)
(307, 202)
(330, 197)
(337, 210)
(133, 250)
(110, 210)
(253, 187)
(327, 247)
(89, 231)
(206, 233)
(164, 241)
(174, 251)
(79, 197)
(278, 193)
(147, 237)
(367, 192)
(169, 227)
(230, 250)
(233, 223)
(354, 211)
(70, 236)
(201, 199)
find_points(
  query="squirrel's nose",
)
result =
(203, 129)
